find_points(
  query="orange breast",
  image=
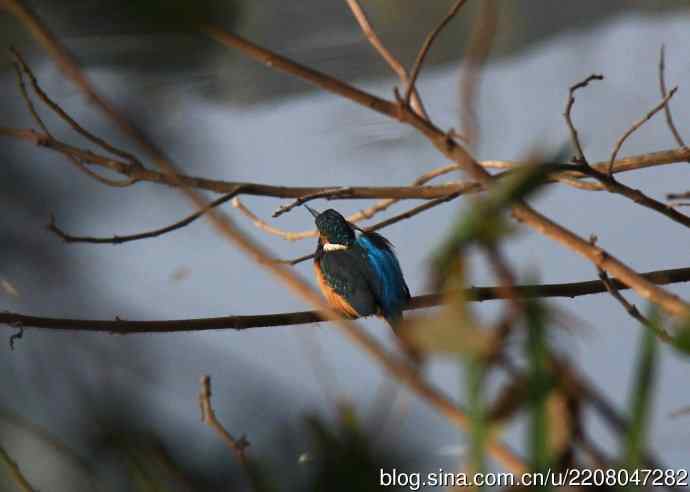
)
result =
(337, 301)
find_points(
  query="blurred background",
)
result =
(82, 411)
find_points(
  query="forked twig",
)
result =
(208, 416)
(568, 119)
(390, 59)
(417, 67)
(637, 125)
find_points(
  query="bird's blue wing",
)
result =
(390, 288)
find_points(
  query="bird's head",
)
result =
(333, 228)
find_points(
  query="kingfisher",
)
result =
(358, 273)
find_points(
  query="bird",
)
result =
(358, 271)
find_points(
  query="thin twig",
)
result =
(476, 54)
(264, 226)
(614, 186)
(416, 68)
(311, 196)
(297, 260)
(391, 60)
(52, 226)
(62, 114)
(70, 68)
(637, 125)
(631, 309)
(568, 119)
(476, 294)
(678, 196)
(667, 107)
(412, 212)
(208, 416)
(20, 68)
(287, 235)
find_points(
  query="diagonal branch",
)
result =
(637, 125)
(392, 61)
(70, 69)
(208, 416)
(62, 114)
(20, 68)
(476, 54)
(419, 62)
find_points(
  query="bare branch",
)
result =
(392, 61)
(68, 238)
(319, 79)
(62, 114)
(568, 119)
(631, 163)
(21, 66)
(637, 196)
(412, 212)
(477, 294)
(631, 309)
(312, 196)
(637, 125)
(416, 68)
(476, 54)
(208, 416)
(667, 107)
(287, 235)
(70, 68)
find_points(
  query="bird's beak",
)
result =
(311, 210)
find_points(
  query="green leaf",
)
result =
(475, 372)
(640, 398)
(539, 386)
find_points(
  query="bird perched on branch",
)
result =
(358, 274)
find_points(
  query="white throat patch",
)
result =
(334, 247)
